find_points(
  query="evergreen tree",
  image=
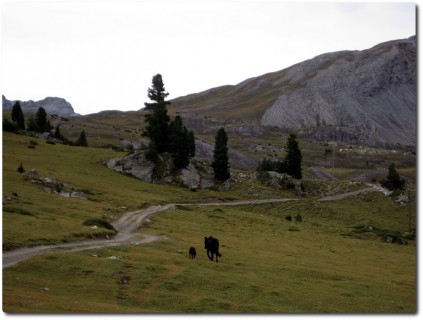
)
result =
(41, 120)
(9, 126)
(220, 156)
(18, 116)
(393, 181)
(57, 134)
(32, 124)
(293, 157)
(191, 144)
(156, 93)
(82, 140)
(151, 154)
(157, 129)
(178, 143)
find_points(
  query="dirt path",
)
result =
(125, 226)
(130, 221)
(341, 196)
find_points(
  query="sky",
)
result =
(102, 55)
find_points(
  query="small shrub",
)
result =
(99, 223)
(18, 211)
(9, 126)
(298, 218)
(21, 169)
(290, 185)
(294, 229)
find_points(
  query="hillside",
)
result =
(333, 260)
(361, 97)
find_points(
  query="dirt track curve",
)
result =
(130, 221)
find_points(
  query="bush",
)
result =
(21, 169)
(99, 223)
(9, 126)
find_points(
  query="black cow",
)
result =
(212, 246)
(192, 252)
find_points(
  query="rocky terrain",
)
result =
(198, 175)
(52, 105)
(361, 97)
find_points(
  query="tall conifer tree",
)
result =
(293, 157)
(220, 156)
(41, 119)
(178, 143)
(18, 116)
(157, 129)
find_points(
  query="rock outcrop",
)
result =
(198, 174)
(359, 97)
(52, 105)
(136, 165)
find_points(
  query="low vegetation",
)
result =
(335, 259)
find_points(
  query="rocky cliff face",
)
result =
(364, 97)
(52, 105)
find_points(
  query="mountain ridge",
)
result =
(361, 97)
(52, 105)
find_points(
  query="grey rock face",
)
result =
(362, 96)
(52, 105)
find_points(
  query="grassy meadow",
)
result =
(328, 263)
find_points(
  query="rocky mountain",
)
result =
(52, 105)
(360, 97)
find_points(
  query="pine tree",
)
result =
(156, 93)
(191, 144)
(18, 116)
(57, 134)
(178, 143)
(220, 156)
(293, 157)
(41, 119)
(82, 140)
(157, 129)
(393, 181)
(151, 154)
(32, 124)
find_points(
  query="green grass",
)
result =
(268, 264)
(264, 267)
(37, 217)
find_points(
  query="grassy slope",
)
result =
(265, 266)
(51, 218)
(268, 264)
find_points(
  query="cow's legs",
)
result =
(208, 254)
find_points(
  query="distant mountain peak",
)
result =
(52, 105)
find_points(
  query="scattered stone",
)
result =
(402, 199)
(32, 174)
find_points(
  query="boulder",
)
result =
(32, 174)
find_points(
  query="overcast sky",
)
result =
(102, 55)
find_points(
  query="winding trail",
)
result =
(130, 221)
(125, 225)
